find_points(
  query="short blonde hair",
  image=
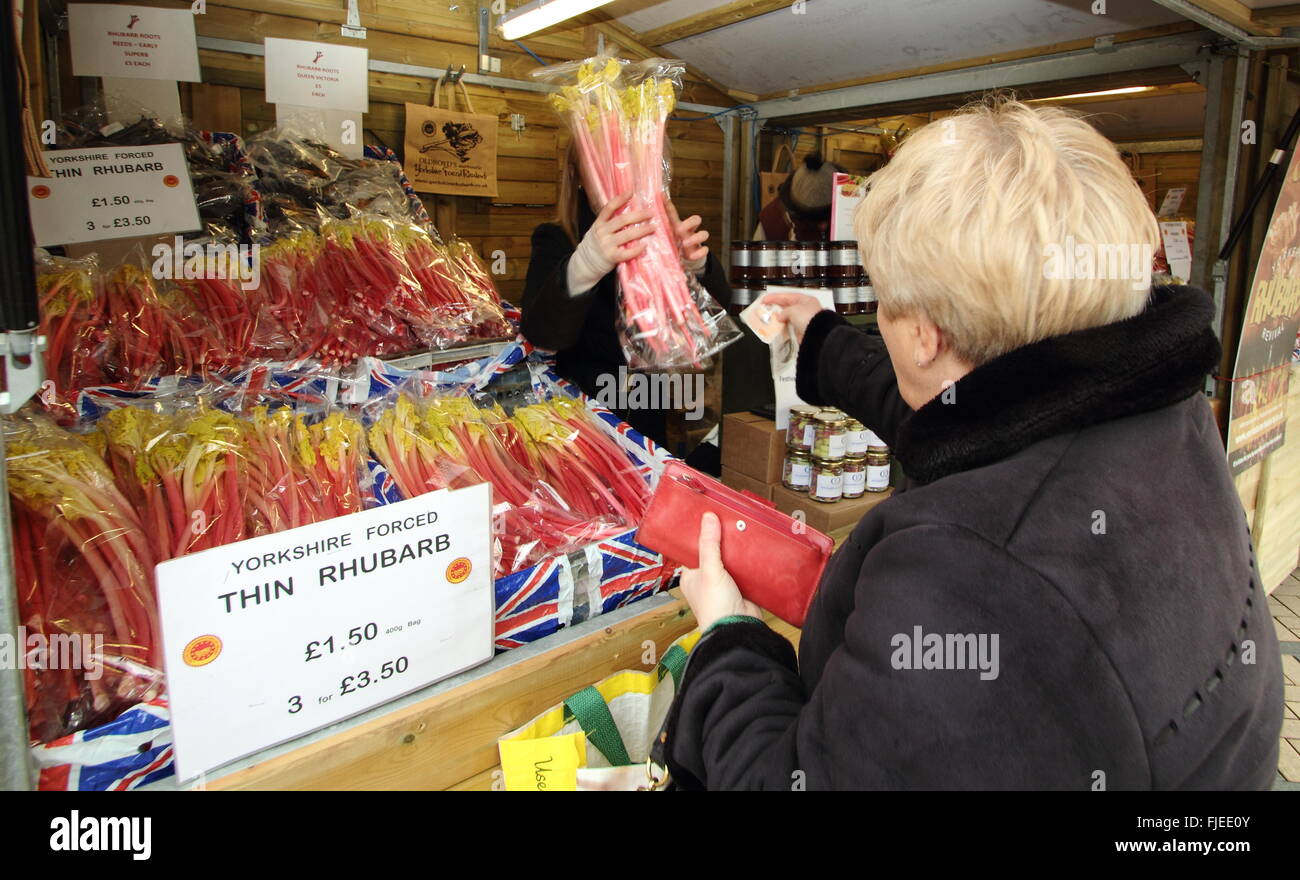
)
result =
(963, 223)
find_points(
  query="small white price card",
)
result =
(112, 192)
(274, 637)
(136, 41)
(319, 75)
(1178, 250)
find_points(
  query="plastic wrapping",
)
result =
(83, 567)
(73, 324)
(298, 175)
(618, 113)
(433, 442)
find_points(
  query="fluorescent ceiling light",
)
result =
(1124, 91)
(532, 17)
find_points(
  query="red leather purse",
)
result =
(776, 560)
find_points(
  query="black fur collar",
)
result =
(1152, 360)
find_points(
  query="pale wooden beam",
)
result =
(1277, 16)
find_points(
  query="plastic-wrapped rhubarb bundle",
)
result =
(73, 324)
(432, 442)
(618, 113)
(83, 567)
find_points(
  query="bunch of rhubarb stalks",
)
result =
(93, 514)
(668, 321)
(359, 287)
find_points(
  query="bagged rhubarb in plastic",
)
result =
(428, 442)
(215, 302)
(184, 472)
(83, 569)
(73, 324)
(618, 113)
(301, 469)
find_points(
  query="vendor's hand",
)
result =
(690, 239)
(709, 590)
(796, 310)
(618, 239)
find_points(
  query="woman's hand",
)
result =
(610, 240)
(690, 239)
(796, 310)
(613, 237)
(709, 590)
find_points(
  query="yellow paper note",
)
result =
(549, 764)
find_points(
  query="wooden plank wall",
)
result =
(432, 35)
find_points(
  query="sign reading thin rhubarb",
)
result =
(112, 192)
(271, 638)
(141, 42)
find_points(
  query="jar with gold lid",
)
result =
(828, 438)
(855, 476)
(877, 471)
(827, 484)
(802, 430)
(796, 470)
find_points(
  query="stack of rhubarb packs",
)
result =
(618, 113)
(96, 507)
(336, 262)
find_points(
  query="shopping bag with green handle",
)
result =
(599, 739)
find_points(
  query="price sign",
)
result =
(271, 638)
(112, 192)
(322, 76)
(141, 42)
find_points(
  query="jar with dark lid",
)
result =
(827, 484)
(845, 293)
(844, 253)
(785, 251)
(855, 476)
(828, 440)
(877, 471)
(796, 470)
(823, 250)
(867, 297)
(803, 427)
(763, 261)
(806, 260)
(856, 442)
(743, 294)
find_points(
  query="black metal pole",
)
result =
(1261, 186)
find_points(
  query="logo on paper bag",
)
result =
(458, 570)
(202, 650)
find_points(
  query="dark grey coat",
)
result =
(1072, 500)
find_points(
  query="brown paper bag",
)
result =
(449, 152)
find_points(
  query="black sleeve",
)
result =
(843, 367)
(1015, 709)
(552, 319)
(714, 279)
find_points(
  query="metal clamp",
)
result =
(24, 370)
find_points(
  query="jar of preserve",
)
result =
(806, 260)
(803, 428)
(763, 258)
(877, 471)
(827, 484)
(785, 253)
(855, 476)
(855, 438)
(796, 470)
(867, 297)
(823, 251)
(742, 294)
(828, 438)
(844, 291)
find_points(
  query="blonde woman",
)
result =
(1064, 595)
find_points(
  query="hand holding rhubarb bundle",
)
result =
(618, 114)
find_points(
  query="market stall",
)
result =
(275, 303)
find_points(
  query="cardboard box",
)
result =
(826, 517)
(746, 484)
(753, 447)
